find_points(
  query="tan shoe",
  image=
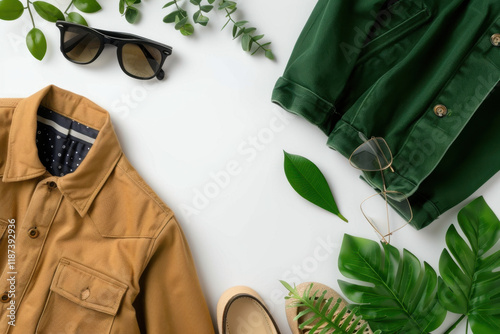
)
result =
(292, 312)
(241, 310)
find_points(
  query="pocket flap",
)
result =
(87, 287)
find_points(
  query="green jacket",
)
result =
(419, 73)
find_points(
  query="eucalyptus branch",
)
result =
(247, 39)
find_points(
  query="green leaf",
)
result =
(168, 4)
(227, 4)
(47, 11)
(321, 313)
(170, 18)
(196, 15)
(470, 284)
(256, 38)
(181, 23)
(121, 6)
(200, 19)
(131, 14)
(11, 9)
(396, 295)
(87, 6)
(235, 30)
(206, 8)
(187, 29)
(211, 1)
(35, 40)
(76, 18)
(250, 30)
(269, 54)
(130, 2)
(306, 178)
(245, 44)
(239, 32)
(195, 2)
(240, 23)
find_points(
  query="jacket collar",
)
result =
(82, 186)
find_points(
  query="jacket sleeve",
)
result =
(324, 57)
(171, 300)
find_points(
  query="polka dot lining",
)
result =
(61, 153)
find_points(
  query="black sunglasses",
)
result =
(139, 57)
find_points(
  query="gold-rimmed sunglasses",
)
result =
(371, 156)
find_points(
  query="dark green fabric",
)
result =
(379, 67)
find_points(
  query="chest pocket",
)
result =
(81, 300)
(392, 26)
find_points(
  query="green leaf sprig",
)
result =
(180, 17)
(324, 315)
(308, 181)
(127, 9)
(35, 39)
(248, 39)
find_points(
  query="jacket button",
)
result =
(52, 185)
(440, 110)
(33, 232)
(5, 297)
(495, 39)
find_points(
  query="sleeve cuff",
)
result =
(301, 101)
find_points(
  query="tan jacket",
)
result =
(95, 250)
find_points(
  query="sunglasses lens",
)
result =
(372, 155)
(141, 60)
(80, 45)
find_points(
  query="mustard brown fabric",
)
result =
(96, 250)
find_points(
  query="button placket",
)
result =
(30, 237)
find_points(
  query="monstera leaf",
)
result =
(400, 296)
(470, 281)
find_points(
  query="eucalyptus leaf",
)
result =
(308, 181)
(245, 42)
(206, 8)
(121, 7)
(226, 4)
(76, 18)
(170, 18)
(87, 6)
(169, 4)
(235, 30)
(187, 29)
(240, 23)
(269, 54)
(48, 11)
(195, 2)
(250, 30)
(131, 14)
(203, 20)
(256, 38)
(11, 9)
(130, 2)
(211, 1)
(181, 23)
(470, 277)
(397, 294)
(36, 42)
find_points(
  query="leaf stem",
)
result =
(452, 327)
(69, 6)
(29, 11)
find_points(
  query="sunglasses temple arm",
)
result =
(152, 62)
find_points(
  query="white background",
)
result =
(214, 109)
